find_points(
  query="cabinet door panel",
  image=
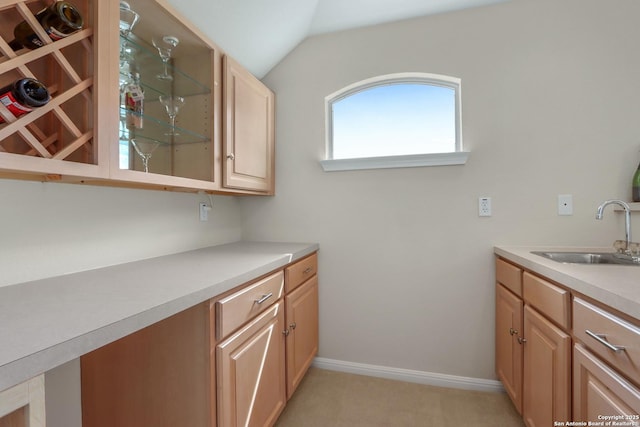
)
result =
(248, 130)
(598, 390)
(302, 341)
(509, 356)
(547, 375)
(251, 376)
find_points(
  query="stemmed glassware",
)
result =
(172, 104)
(144, 148)
(128, 19)
(165, 45)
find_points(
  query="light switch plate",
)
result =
(565, 204)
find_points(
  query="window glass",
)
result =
(397, 120)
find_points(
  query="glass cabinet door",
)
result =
(166, 107)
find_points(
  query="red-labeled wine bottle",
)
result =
(59, 20)
(22, 96)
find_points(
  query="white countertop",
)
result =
(617, 286)
(47, 322)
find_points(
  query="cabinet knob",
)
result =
(293, 325)
(513, 331)
(230, 156)
(285, 332)
(522, 340)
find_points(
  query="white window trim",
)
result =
(459, 157)
(388, 162)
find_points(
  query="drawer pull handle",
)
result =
(307, 270)
(264, 298)
(601, 339)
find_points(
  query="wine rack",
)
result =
(59, 137)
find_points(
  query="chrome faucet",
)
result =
(627, 219)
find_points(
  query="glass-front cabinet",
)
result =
(128, 93)
(168, 100)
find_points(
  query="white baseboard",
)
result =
(408, 375)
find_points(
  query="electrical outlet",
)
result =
(484, 206)
(204, 211)
(565, 204)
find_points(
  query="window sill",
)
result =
(408, 161)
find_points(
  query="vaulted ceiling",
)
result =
(259, 33)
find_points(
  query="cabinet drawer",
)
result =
(596, 328)
(298, 273)
(240, 307)
(510, 276)
(549, 299)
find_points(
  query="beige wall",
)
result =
(551, 105)
(48, 229)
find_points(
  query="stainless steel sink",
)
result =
(589, 257)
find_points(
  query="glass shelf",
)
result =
(146, 61)
(158, 130)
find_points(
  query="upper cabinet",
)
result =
(55, 88)
(249, 136)
(142, 106)
(168, 108)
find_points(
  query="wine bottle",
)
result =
(635, 186)
(59, 20)
(133, 101)
(22, 96)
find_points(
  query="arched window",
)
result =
(397, 120)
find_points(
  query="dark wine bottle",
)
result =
(22, 96)
(59, 20)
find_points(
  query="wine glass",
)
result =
(128, 19)
(165, 45)
(172, 104)
(144, 148)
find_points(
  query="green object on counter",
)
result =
(635, 186)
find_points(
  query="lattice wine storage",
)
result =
(63, 129)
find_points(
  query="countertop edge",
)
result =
(280, 254)
(615, 286)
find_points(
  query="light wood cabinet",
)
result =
(509, 356)
(533, 354)
(159, 376)
(248, 130)
(232, 361)
(579, 358)
(606, 374)
(599, 390)
(58, 140)
(86, 134)
(302, 337)
(547, 375)
(23, 405)
(251, 376)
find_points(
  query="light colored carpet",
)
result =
(335, 399)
